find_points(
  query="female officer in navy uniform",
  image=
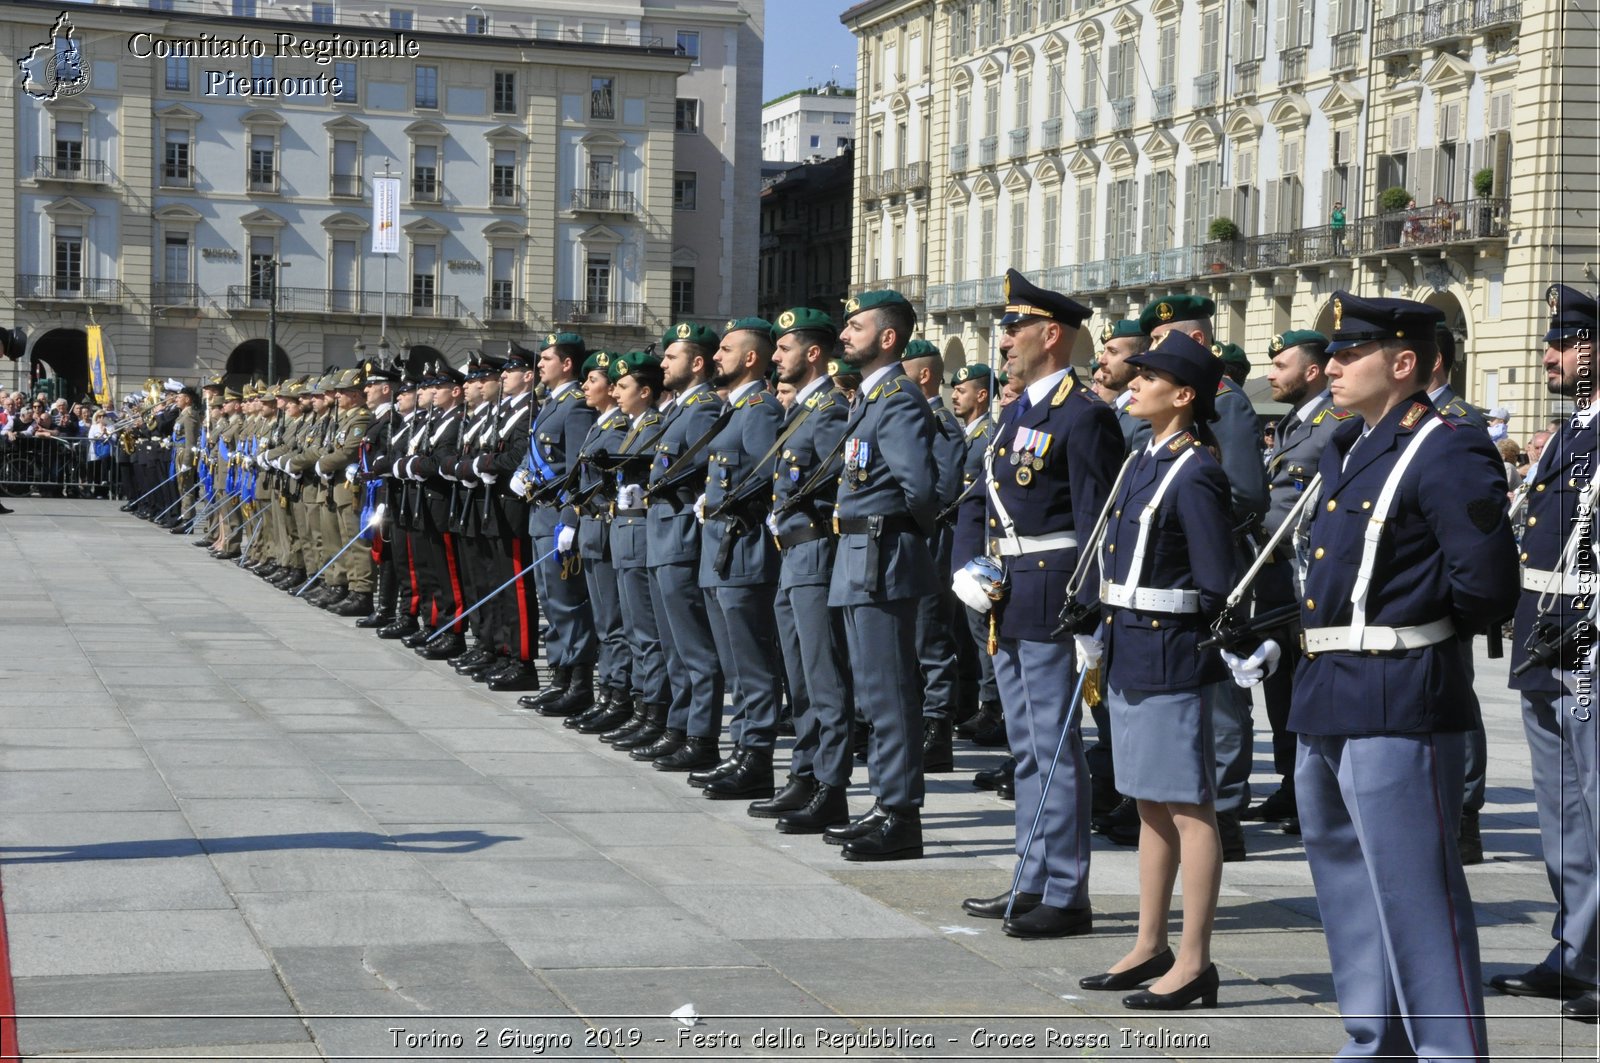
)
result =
(1166, 566)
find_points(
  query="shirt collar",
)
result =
(744, 390)
(1303, 413)
(1123, 398)
(562, 389)
(681, 399)
(812, 388)
(1039, 391)
(972, 426)
(382, 409)
(876, 378)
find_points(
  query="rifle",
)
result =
(1238, 633)
(1549, 643)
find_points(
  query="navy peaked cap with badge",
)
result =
(443, 375)
(1296, 338)
(519, 357)
(689, 332)
(483, 366)
(1357, 320)
(1026, 299)
(1190, 363)
(919, 349)
(875, 301)
(1178, 307)
(1117, 330)
(378, 373)
(1571, 313)
(976, 371)
(806, 318)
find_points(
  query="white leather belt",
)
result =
(1018, 545)
(1571, 584)
(1149, 599)
(1331, 639)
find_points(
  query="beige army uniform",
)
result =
(354, 569)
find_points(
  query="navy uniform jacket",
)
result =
(630, 531)
(949, 450)
(810, 563)
(889, 435)
(597, 487)
(969, 540)
(674, 533)
(436, 451)
(1291, 465)
(731, 458)
(557, 434)
(1190, 547)
(1082, 459)
(1457, 412)
(514, 419)
(1239, 437)
(477, 441)
(1446, 551)
(1565, 468)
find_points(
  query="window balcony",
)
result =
(1163, 98)
(64, 287)
(505, 308)
(1396, 35)
(260, 180)
(1088, 118)
(1019, 143)
(505, 195)
(169, 294)
(1346, 52)
(1094, 276)
(889, 182)
(963, 295)
(1247, 77)
(1061, 279)
(1440, 225)
(604, 201)
(598, 312)
(1222, 256)
(988, 148)
(1136, 271)
(426, 189)
(913, 286)
(938, 297)
(914, 176)
(177, 175)
(1267, 252)
(958, 158)
(1207, 88)
(344, 186)
(1050, 134)
(1447, 22)
(73, 168)
(992, 291)
(258, 298)
(1490, 16)
(1122, 114)
(1292, 66)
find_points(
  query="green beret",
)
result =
(1002, 378)
(687, 332)
(1295, 337)
(803, 317)
(625, 364)
(1117, 330)
(1175, 308)
(600, 360)
(920, 349)
(748, 324)
(1231, 354)
(838, 367)
(875, 300)
(975, 371)
(561, 339)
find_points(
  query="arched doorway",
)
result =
(63, 353)
(248, 362)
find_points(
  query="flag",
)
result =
(99, 377)
(385, 215)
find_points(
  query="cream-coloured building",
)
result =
(1094, 146)
(206, 173)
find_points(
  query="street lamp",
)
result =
(272, 321)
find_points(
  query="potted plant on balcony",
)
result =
(1223, 234)
(1392, 203)
(1483, 188)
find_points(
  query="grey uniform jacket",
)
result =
(674, 537)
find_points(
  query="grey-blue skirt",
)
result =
(1163, 743)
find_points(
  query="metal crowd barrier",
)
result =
(60, 466)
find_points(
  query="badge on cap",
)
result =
(786, 319)
(1216, 350)
(1338, 314)
(684, 330)
(603, 360)
(1277, 343)
(962, 374)
(1008, 288)
(623, 369)
(1553, 298)
(551, 339)
(1164, 311)
(729, 326)
(1107, 332)
(852, 305)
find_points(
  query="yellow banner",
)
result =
(99, 378)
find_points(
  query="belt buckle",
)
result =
(836, 532)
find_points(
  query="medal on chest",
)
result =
(1028, 452)
(857, 454)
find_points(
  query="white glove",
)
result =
(630, 496)
(1248, 671)
(185, 468)
(262, 462)
(519, 483)
(772, 524)
(350, 474)
(565, 537)
(481, 464)
(1090, 650)
(700, 508)
(488, 477)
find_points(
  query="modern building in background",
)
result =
(808, 124)
(559, 167)
(1119, 152)
(805, 237)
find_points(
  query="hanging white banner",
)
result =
(386, 215)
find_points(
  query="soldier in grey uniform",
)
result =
(971, 390)
(803, 487)
(1239, 439)
(936, 647)
(886, 509)
(1298, 377)
(1119, 340)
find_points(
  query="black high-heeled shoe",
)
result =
(1203, 988)
(1133, 977)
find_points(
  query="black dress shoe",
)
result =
(1006, 789)
(899, 837)
(751, 779)
(669, 741)
(1049, 921)
(337, 597)
(1202, 988)
(625, 730)
(698, 779)
(991, 732)
(995, 907)
(559, 678)
(375, 620)
(1232, 833)
(356, 603)
(404, 626)
(937, 756)
(693, 755)
(444, 647)
(1291, 826)
(1122, 826)
(1280, 806)
(1133, 977)
(870, 821)
(473, 659)
(1584, 1008)
(796, 794)
(827, 808)
(991, 778)
(1540, 981)
(618, 711)
(988, 713)
(513, 675)
(416, 638)
(603, 695)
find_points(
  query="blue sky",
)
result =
(805, 39)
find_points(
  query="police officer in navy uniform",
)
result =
(1409, 548)
(1054, 457)
(885, 510)
(801, 526)
(1297, 376)
(1239, 439)
(1558, 581)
